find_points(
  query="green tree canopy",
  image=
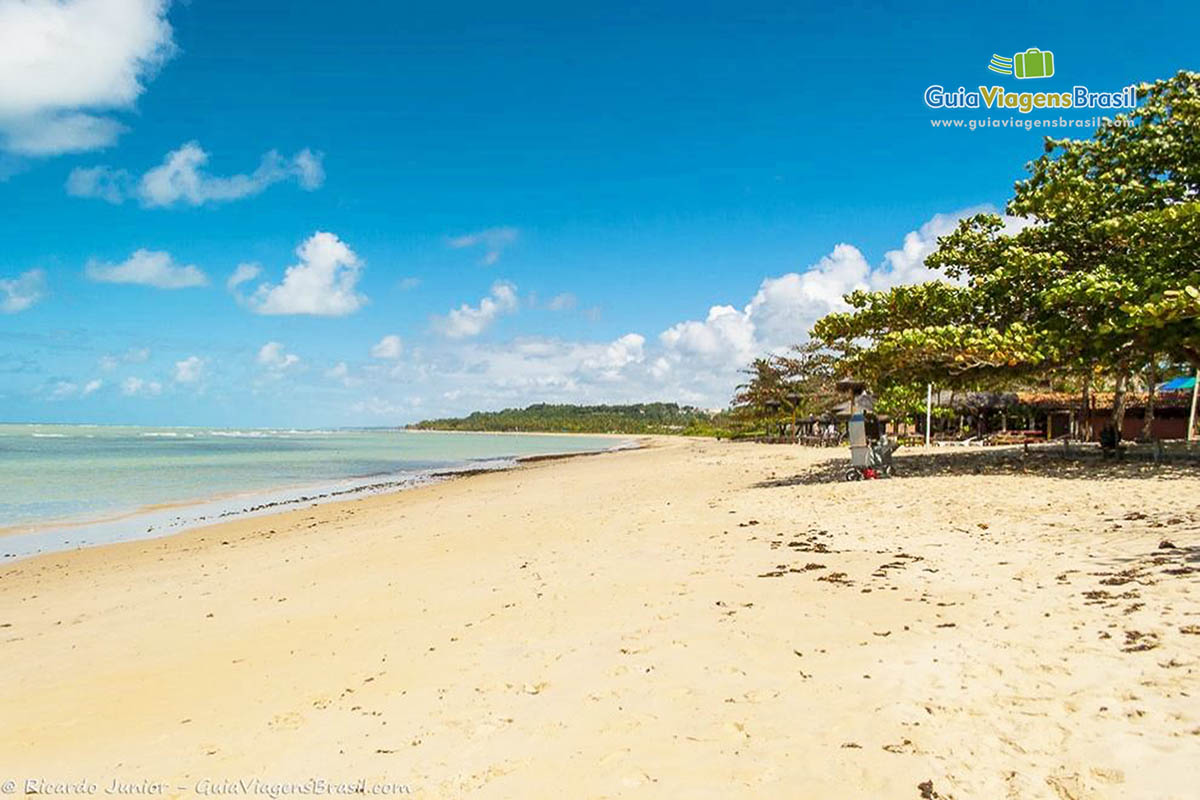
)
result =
(1096, 271)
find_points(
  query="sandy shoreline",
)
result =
(694, 619)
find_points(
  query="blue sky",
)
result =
(534, 202)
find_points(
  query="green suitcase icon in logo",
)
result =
(1033, 63)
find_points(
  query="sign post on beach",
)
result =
(1191, 433)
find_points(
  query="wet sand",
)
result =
(697, 619)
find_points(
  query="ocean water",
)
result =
(66, 486)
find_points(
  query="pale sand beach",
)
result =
(696, 619)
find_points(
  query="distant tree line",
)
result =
(641, 418)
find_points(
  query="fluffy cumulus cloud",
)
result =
(907, 265)
(725, 334)
(66, 65)
(190, 371)
(182, 180)
(492, 241)
(467, 321)
(785, 307)
(275, 358)
(388, 348)
(323, 283)
(22, 292)
(147, 268)
(608, 360)
(779, 314)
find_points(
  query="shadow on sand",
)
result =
(1081, 463)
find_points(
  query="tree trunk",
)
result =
(1148, 414)
(1120, 399)
(1085, 410)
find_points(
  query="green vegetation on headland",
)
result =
(642, 418)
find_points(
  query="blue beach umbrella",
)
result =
(1177, 385)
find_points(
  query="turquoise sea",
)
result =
(65, 486)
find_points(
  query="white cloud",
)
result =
(63, 390)
(243, 274)
(784, 309)
(110, 185)
(190, 370)
(147, 268)
(492, 240)
(137, 387)
(389, 347)
(726, 334)
(907, 265)
(405, 284)
(64, 64)
(469, 375)
(322, 284)
(308, 168)
(181, 179)
(704, 356)
(134, 355)
(466, 321)
(379, 407)
(273, 356)
(562, 302)
(611, 358)
(340, 372)
(21, 292)
(52, 134)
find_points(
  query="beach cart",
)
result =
(870, 455)
(870, 450)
